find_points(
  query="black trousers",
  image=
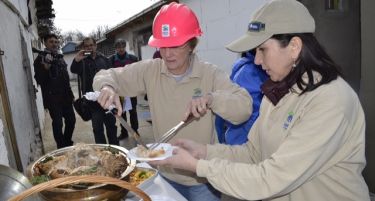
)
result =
(58, 113)
(99, 119)
(133, 116)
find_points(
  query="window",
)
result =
(333, 5)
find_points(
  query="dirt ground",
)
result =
(83, 130)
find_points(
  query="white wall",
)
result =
(147, 52)
(223, 21)
(3, 151)
(17, 75)
(69, 59)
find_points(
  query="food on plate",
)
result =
(147, 153)
(139, 175)
(81, 160)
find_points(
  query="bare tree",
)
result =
(99, 32)
(77, 35)
(73, 36)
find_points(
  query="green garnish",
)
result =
(90, 170)
(39, 179)
(143, 175)
(111, 149)
(48, 158)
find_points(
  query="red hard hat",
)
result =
(173, 26)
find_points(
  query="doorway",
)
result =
(338, 29)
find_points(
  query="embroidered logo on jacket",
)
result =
(289, 119)
(197, 93)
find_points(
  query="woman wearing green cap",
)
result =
(308, 142)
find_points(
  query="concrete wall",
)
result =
(16, 42)
(69, 59)
(367, 91)
(4, 160)
(227, 21)
(35, 41)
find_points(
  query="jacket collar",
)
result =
(195, 65)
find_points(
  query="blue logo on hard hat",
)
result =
(165, 32)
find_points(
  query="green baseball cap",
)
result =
(275, 17)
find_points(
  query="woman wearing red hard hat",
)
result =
(177, 85)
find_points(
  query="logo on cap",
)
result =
(165, 31)
(256, 26)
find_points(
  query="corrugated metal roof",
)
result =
(148, 12)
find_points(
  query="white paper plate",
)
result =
(160, 198)
(168, 148)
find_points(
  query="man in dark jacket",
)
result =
(120, 59)
(52, 76)
(86, 64)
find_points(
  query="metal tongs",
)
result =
(172, 132)
(134, 134)
(93, 96)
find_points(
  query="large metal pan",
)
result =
(95, 192)
(13, 183)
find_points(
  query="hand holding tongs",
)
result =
(130, 130)
(93, 96)
(172, 132)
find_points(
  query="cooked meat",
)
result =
(83, 160)
(147, 153)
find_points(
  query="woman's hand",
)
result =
(109, 97)
(181, 159)
(198, 106)
(185, 156)
(198, 151)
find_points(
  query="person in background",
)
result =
(173, 82)
(52, 75)
(308, 142)
(249, 76)
(156, 54)
(120, 59)
(89, 62)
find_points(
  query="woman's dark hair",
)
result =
(193, 42)
(313, 57)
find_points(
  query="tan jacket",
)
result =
(168, 100)
(306, 148)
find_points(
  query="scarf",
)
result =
(275, 91)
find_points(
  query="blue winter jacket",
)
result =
(249, 76)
